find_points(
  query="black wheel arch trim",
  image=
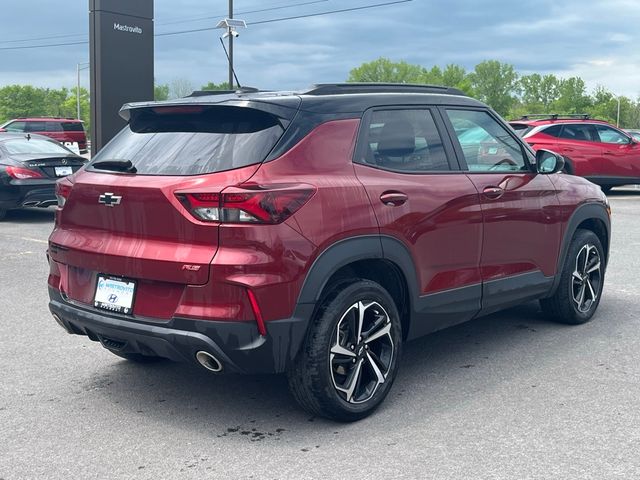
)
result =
(586, 211)
(353, 249)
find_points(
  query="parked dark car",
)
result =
(30, 165)
(314, 232)
(64, 130)
(593, 149)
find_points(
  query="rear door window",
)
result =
(36, 127)
(580, 132)
(404, 140)
(54, 127)
(194, 140)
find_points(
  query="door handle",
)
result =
(393, 199)
(567, 149)
(493, 192)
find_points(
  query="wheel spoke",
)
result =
(577, 276)
(340, 350)
(375, 368)
(594, 268)
(385, 330)
(580, 299)
(362, 308)
(586, 258)
(591, 291)
(354, 378)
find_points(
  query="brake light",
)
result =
(270, 205)
(63, 190)
(20, 173)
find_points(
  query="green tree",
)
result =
(215, 86)
(572, 96)
(538, 92)
(160, 92)
(456, 76)
(384, 70)
(496, 84)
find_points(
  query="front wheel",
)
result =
(582, 279)
(349, 359)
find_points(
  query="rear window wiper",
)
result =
(117, 165)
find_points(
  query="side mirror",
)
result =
(548, 162)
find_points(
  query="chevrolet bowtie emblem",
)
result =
(109, 199)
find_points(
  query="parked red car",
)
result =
(64, 130)
(592, 149)
(313, 233)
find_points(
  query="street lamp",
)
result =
(79, 66)
(618, 117)
(230, 25)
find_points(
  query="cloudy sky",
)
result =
(596, 40)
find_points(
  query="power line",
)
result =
(280, 7)
(190, 19)
(364, 7)
(261, 22)
(85, 42)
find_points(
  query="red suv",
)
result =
(313, 233)
(592, 149)
(64, 130)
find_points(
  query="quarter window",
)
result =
(487, 146)
(404, 141)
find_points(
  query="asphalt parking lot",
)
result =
(507, 396)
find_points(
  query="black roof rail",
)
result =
(344, 88)
(555, 116)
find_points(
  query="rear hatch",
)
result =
(122, 215)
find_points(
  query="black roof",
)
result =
(323, 98)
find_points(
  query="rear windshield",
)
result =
(194, 140)
(33, 146)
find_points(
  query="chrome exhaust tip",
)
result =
(208, 361)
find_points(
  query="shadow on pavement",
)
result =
(433, 375)
(31, 215)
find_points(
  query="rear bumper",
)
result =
(28, 193)
(237, 345)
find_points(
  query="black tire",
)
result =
(573, 301)
(137, 357)
(606, 188)
(320, 377)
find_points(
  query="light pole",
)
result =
(618, 117)
(230, 25)
(79, 66)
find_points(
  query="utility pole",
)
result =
(230, 49)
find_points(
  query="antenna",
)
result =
(230, 65)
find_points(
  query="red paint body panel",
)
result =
(522, 228)
(440, 223)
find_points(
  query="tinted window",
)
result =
(34, 145)
(35, 127)
(580, 132)
(610, 135)
(553, 130)
(54, 127)
(404, 141)
(486, 145)
(193, 141)
(15, 127)
(72, 127)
